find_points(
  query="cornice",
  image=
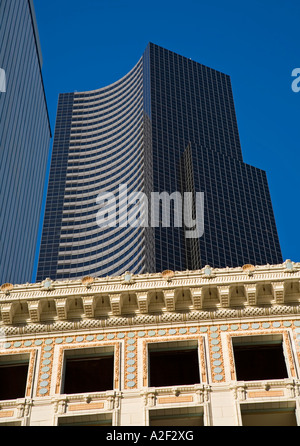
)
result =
(152, 298)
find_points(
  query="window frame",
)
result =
(283, 339)
(88, 350)
(173, 345)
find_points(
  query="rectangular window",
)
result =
(173, 363)
(86, 420)
(269, 414)
(259, 357)
(13, 376)
(88, 370)
(185, 416)
(11, 423)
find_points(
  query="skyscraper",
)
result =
(24, 139)
(168, 125)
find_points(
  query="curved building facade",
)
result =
(99, 147)
(106, 150)
(134, 134)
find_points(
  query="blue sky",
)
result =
(92, 43)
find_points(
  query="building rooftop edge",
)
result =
(105, 87)
(247, 272)
(209, 294)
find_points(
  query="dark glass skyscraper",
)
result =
(24, 140)
(169, 125)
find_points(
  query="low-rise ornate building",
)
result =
(210, 347)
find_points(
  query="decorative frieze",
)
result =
(262, 390)
(197, 394)
(105, 401)
(223, 283)
(197, 310)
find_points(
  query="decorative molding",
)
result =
(223, 282)
(224, 292)
(251, 293)
(170, 300)
(286, 343)
(76, 346)
(143, 300)
(198, 393)
(153, 281)
(34, 309)
(7, 312)
(7, 414)
(287, 388)
(108, 321)
(89, 305)
(190, 337)
(32, 359)
(197, 298)
(62, 306)
(116, 304)
(106, 401)
(278, 289)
